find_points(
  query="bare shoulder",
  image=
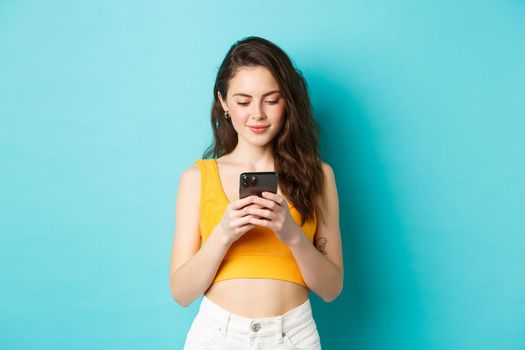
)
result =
(188, 197)
(191, 174)
(190, 186)
(327, 169)
(328, 200)
(329, 179)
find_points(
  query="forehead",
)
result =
(253, 81)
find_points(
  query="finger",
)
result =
(274, 197)
(261, 222)
(265, 213)
(236, 214)
(270, 204)
(241, 222)
(254, 206)
(241, 203)
(239, 213)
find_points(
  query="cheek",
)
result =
(237, 112)
(275, 111)
(236, 115)
(278, 114)
(280, 109)
(238, 118)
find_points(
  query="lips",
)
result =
(258, 129)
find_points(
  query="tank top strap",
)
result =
(206, 176)
(210, 183)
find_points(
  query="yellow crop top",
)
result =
(259, 253)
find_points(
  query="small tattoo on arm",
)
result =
(320, 244)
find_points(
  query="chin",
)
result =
(260, 142)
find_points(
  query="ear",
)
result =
(223, 103)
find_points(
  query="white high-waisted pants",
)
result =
(215, 328)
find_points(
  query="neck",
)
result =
(256, 158)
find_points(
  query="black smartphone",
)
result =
(255, 183)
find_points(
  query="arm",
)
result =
(322, 265)
(192, 270)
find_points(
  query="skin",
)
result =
(253, 99)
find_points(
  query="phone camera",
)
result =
(249, 181)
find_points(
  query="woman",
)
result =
(255, 259)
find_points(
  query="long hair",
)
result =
(296, 147)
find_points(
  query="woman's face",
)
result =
(255, 104)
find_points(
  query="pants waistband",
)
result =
(228, 321)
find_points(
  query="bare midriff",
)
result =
(257, 297)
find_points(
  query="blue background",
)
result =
(104, 103)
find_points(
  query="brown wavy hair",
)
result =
(296, 147)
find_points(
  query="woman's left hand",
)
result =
(274, 213)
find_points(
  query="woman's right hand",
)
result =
(236, 222)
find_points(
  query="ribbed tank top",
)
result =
(259, 253)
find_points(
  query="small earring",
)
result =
(226, 114)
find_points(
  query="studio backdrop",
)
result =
(421, 106)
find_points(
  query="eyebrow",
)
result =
(266, 94)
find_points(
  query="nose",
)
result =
(257, 112)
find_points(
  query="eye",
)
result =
(272, 102)
(243, 103)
